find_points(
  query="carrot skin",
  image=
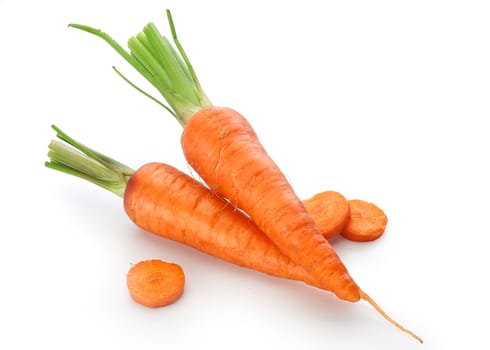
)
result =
(225, 151)
(164, 201)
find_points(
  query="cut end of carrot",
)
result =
(155, 283)
(367, 298)
(330, 212)
(367, 222)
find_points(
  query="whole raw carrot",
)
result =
(164, 201)
(225, 151)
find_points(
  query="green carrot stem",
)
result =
(197, 84)
(71, 157)
(167, 68)
(144, 92)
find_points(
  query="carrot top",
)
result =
(74, 158)
(166, 67)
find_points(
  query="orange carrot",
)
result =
(367, 221)
(330, 211)
(222, 147)
(162, 200)
(155, 283)
(166, 202)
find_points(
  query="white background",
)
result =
(380, 100)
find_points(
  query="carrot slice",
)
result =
(155, 283)
(367, 221)
(330, 211)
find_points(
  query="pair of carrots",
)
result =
(222, 147)
(165, 201)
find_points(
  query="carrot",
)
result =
(330, 211)
(367, 221)
(155, 283)
(223, 148)
(164, 201)
(191, 214)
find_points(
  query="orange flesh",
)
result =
(330, 212)
(367, 222)
(155, 283)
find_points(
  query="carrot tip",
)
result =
(367, 298)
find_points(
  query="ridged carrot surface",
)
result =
(164, 201)
(222, 147)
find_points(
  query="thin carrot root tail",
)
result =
(367, 298)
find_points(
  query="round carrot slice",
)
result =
(155, 283)
(330, 212)
(367, 222)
